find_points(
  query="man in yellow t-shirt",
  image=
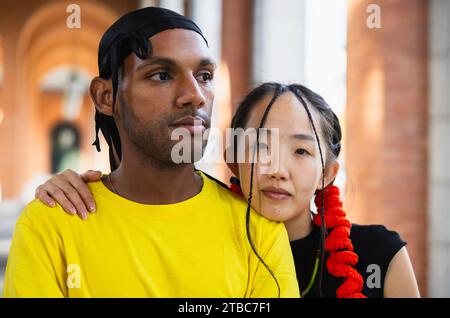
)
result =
(162, 229)
(194, 248)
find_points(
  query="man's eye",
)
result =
(160, 76)
(205, 76)
(301, 152)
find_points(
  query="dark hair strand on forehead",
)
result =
(330, 128)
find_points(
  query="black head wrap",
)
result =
(130, 34)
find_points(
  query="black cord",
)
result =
(323, 229)
(250, 196)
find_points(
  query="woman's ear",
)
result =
(101, 93)
(231, 162)
(331, 172)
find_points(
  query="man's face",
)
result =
(156, 95)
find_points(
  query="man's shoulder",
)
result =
(96, 187)
(37, 214)
(226, 198)
(238, 206)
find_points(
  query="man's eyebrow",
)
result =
(157, 61)
(207, 62)
(162, 61)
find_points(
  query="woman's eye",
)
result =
(301, 152)
(205, 76)
(160, 76)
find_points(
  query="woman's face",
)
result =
(285, 192)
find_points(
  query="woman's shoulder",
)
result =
(374, 231)
(375, 246)
(376, 242)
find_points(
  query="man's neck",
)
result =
(152, 184)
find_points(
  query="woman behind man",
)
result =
(333, 257)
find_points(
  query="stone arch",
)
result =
(46, 43)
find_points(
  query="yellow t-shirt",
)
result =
(194, 248)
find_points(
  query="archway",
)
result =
(46, 44)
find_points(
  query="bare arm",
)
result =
(69, 189)
(400, 281)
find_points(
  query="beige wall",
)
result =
(439, 148)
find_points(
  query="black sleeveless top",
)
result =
(375, 246)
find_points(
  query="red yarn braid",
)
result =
(338, 243)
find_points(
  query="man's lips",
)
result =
(275, 193)
(194, 124)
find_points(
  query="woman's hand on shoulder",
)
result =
(70, 190)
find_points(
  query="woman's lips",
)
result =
(276, 194)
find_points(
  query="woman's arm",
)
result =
(69, 189)
(400, 281)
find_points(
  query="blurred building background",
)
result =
(390, 86)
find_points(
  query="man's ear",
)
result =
(331, 172)
(233, 166)
(101, 93)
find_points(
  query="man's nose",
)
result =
(190, 94)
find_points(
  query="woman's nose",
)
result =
(281, 173)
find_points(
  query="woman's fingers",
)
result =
(63, 183)
(79, 184)
(91, 175)
(42, 195)
(70, 191)
(50, 189)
